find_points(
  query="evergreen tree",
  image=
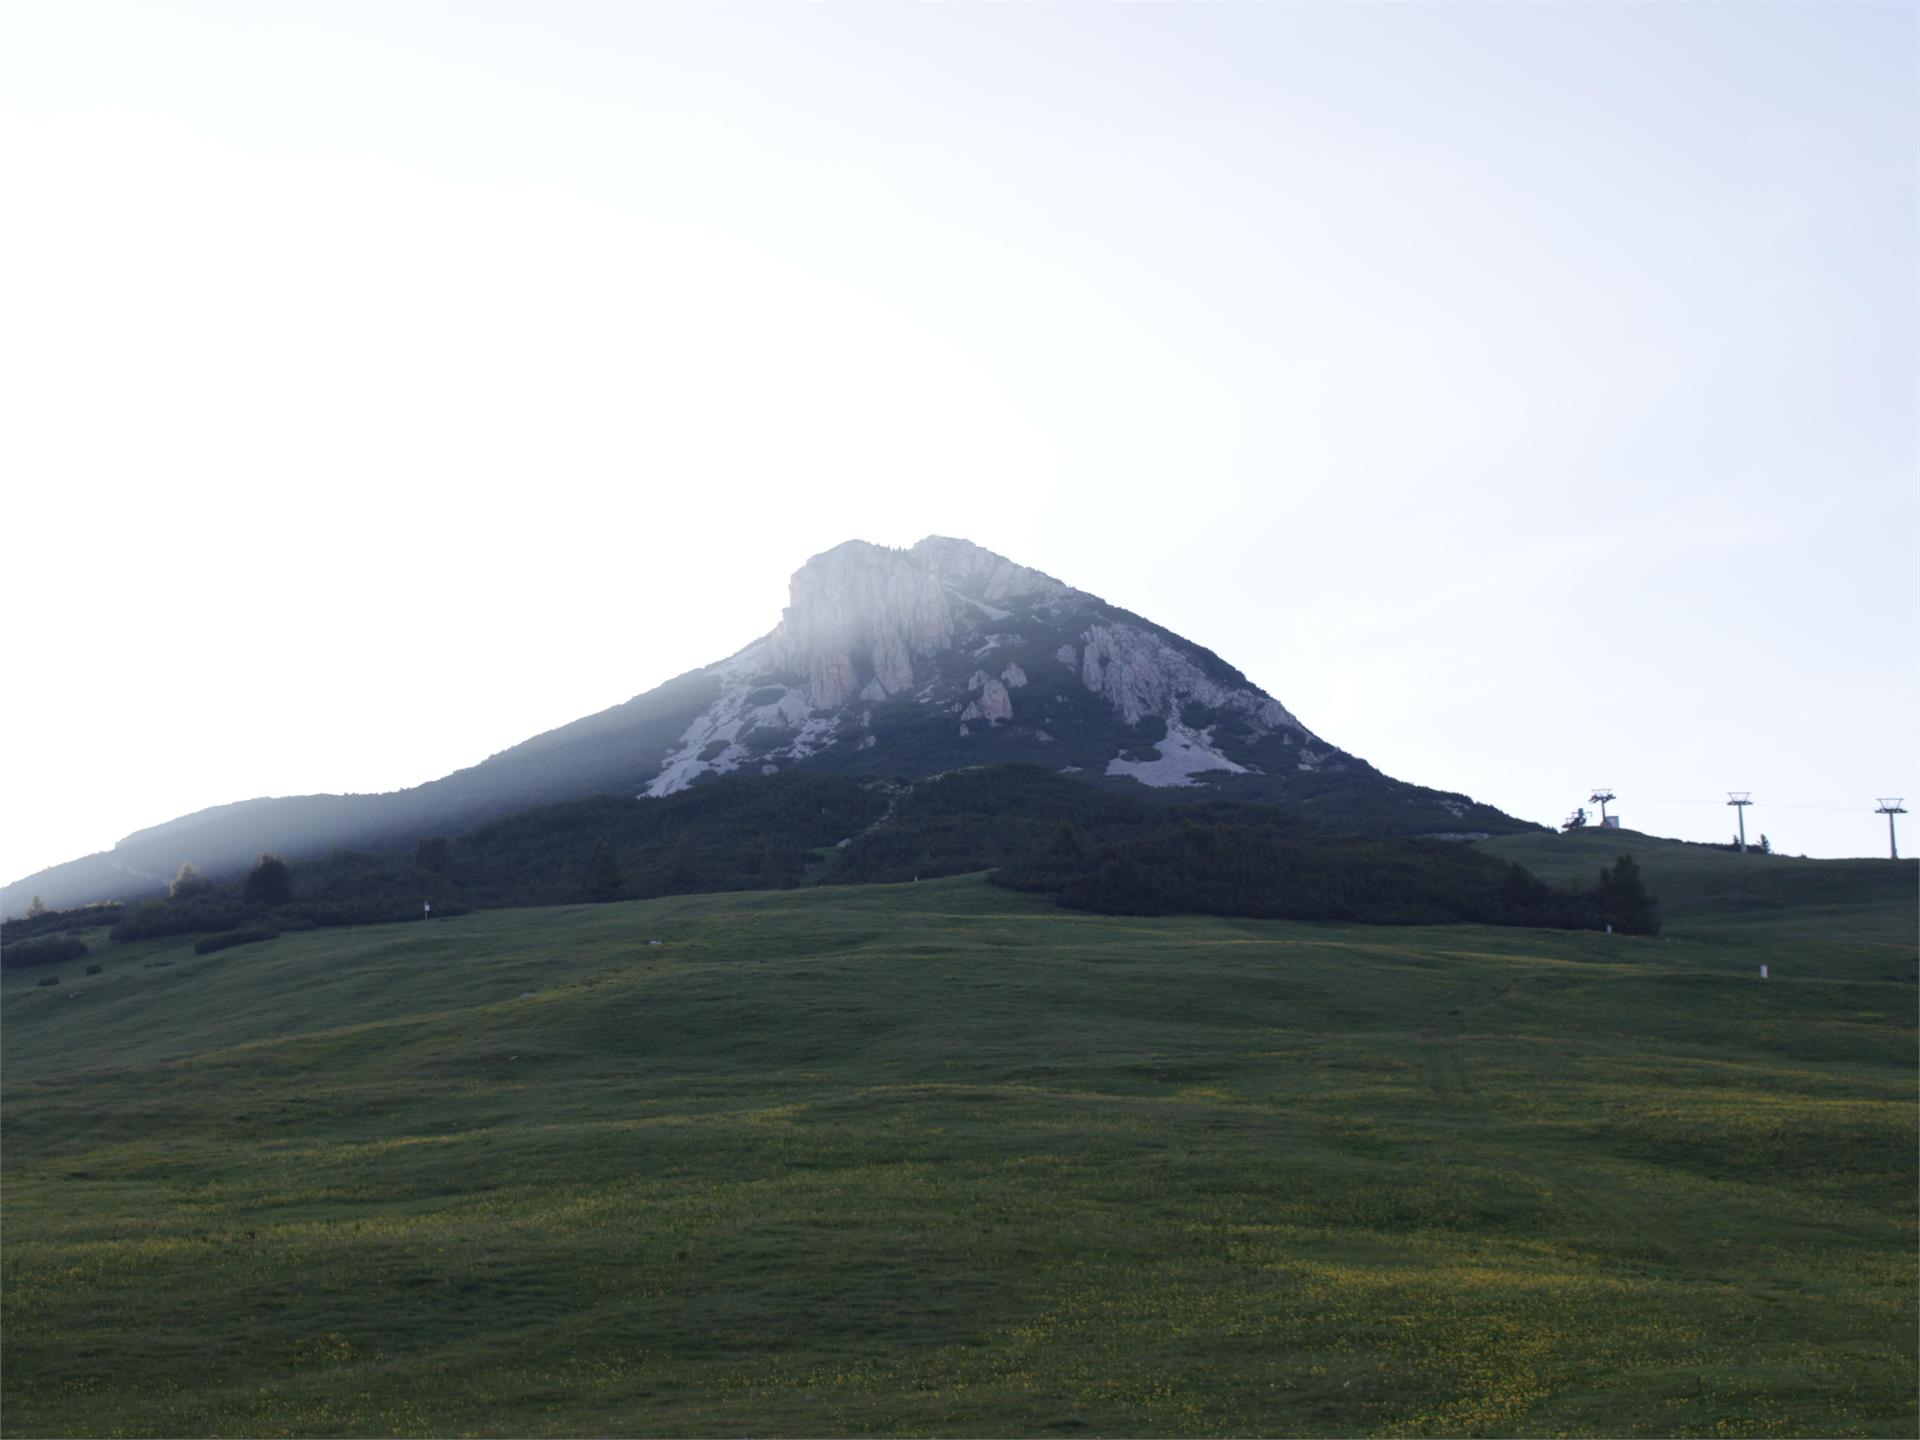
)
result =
(270, 882)
(602, 879)
(1624, 901)
(188, 882)
(435, 854)
(37, 908)
(680, 868)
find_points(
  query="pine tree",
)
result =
(1624, 901)
(680, 868)
(602, 879)
(270, 882)
(37, 908)
(434, 853)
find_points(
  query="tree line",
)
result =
(1272, 872)
(1115, 849)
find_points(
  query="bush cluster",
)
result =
(151, 919)
(87, 917)
(46, 950)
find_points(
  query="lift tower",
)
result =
(1601, 795)
(1891, 808)
(1738, 798)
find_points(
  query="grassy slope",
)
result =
(1855, 917)
(939, 1157)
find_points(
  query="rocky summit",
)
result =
(948, 646)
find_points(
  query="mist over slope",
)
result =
(885, 662)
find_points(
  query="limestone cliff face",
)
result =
(1141, 674)
(998, 658)
(860, 616)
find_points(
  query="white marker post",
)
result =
(1763, 972)
(426, 910)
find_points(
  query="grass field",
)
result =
(942, 1158)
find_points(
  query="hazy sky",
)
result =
(1524, 395)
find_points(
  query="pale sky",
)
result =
(1523, 395)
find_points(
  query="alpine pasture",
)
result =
(940, 1158)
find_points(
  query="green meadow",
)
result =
(940, 1158)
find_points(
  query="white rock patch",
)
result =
(1183, 754)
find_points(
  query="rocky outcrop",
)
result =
(994, 702)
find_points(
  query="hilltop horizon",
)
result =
(830, 590)
(885, 662)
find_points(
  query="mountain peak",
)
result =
(955, 653)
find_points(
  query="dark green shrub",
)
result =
(188, 883)
(95, 969)
(227, 939)
(373, 909)
(50, 980)
(48, 950)
(199, 916)
(762, 738)
(84, 918)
